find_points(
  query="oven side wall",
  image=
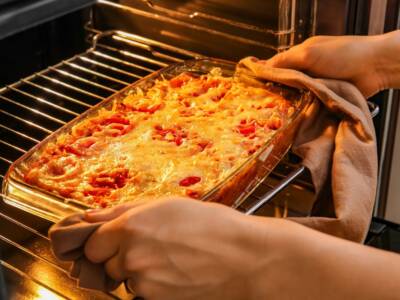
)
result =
(393, 199)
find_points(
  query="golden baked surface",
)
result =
(182, 136)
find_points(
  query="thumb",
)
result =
(290, 59)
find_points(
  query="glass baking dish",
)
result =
(232, 191)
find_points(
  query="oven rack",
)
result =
(193, 18)
(35, 106)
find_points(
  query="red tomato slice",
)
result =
(190, 180)
(115, 119)
(72, 150)
(180, 80)
(178, 140)
(98, 191)
(151, 109)
(114, 180)
(247, 129)
(193, 194)
(204, 144)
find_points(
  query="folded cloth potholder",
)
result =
(336, 142)
(68, 238)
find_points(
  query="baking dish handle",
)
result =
(373, 107)
(278, 188)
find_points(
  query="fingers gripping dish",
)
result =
(184, 133)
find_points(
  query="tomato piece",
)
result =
(204, 144)
(66, 192)
(117, 126)
(127, 129)
(247, 129)
(72, 150)
(79, 147)
(251, 151)
(100, 201)
(151, 109)
(86, 142)
(270, 103)
(120, 180)
(98, 191)
(190, 180)
(210, 84)
(186, 103)
(218, 98)
(192, 194)
(175, 135)
(180, 80)
(115, 119)
(178, 140)
(114, 180)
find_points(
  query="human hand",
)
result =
(175, 249)
(371, 63)
(187, 249)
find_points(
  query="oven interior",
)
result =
(72, 62)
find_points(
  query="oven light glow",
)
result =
(45, 294)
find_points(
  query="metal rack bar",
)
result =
(153, 52)
(67, 74)
(29, 95)
(168, 57)
(73, 65)
(146, 59)
(26, 276)
(19, 133)
(6, 160)
(226, 21)
(278, 188)
(13, 146)
(58, 94)
(175, 21)
(30, 253)
(35, 111)
(124, 53)
(103, 65)
(147, 41)
(134, 55)
(26, 122)
(122, 62)
(69, 86)
(30, 229)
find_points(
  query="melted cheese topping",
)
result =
(181, 137)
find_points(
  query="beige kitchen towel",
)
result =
(337, 143)
(68, 238)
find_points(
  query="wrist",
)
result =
(387, 59)
(270, 243)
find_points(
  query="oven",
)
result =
(59, 58)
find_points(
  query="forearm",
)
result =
(295, 262)
(387, 59)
